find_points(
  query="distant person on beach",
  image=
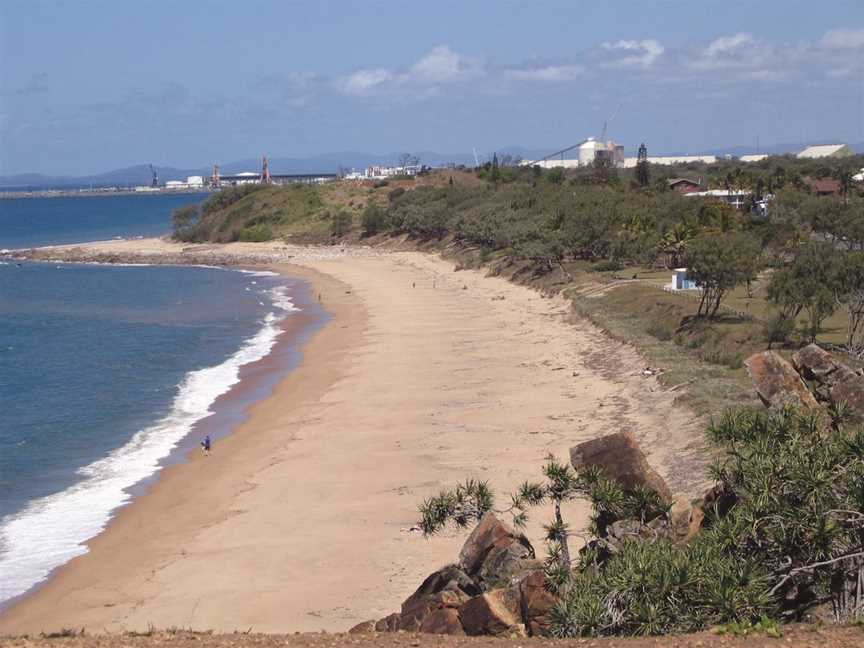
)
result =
(205, 445)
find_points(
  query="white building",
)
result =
(175, 185)
(586, 153)
(680, 281)
(736, 197)
(672, 159)
(753, 158)
(826, 150)
(195, 182)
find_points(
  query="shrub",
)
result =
(340, 224)
(256, 233)
(373, 220)
(607, 265)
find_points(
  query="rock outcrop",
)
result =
(621, 459)
(777, 383)
(482, 594)
(814, 376)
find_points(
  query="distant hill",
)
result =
(332, 162)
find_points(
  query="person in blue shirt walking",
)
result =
(205, 445)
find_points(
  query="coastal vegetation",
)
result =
(606, 239)
(781, 537)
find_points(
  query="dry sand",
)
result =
(301, 519)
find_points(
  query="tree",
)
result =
(643, 176)
(844, 177)
(718, 263)
(408, 160)
(340, 224)
(807, 284)
(494, 172)
(851, 297)
(373, 219)
(184, 221)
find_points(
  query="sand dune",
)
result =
(301, 519)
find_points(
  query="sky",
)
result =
(90, 86)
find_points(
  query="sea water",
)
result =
(104, 370)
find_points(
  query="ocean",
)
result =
(109, 372)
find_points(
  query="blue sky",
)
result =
(88, 86)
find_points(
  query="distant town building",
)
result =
(195, 182)
(667, 160)
(826, 150)
(753, 157)
(736, 197)
(684, 185)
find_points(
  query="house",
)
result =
(680, 281)
(753, 157)
(826, 150)
(684, 185)
(823, 186)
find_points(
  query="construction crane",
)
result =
(155, 181)
(607, 122)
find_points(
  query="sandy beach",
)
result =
(301, 519)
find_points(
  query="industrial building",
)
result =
(826, 150)
(587, 151)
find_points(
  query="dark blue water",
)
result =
(103, 372)
(30, 222)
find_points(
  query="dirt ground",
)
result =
(792, 637)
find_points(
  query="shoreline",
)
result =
(302, 520)
(255, 381)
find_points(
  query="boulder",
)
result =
(814, 363)
(388, 624)
(777, 383)
(494, 553)
(536, 603)
(443, 621)
(363, 627)
(621, 459)
(850, 389)
(493, 613)
(449, 587)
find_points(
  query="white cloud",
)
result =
(843, 39)
(644, 52)
(726, 44)
(548, 73)
(363, 81)
(441, 64)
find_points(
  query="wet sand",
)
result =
(301, 519)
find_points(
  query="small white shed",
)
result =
(680, 281)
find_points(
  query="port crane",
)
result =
(570, 148)
(155, 181)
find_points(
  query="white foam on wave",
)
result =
(52, 530)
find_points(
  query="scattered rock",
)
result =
(494, 552)
(447, 587)
(443, 621)
(814, 363)
(536, 602)
(388, 624)
(850, 389)
(494, 613)
(364, 627)
(777, 383)
(621, 458)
